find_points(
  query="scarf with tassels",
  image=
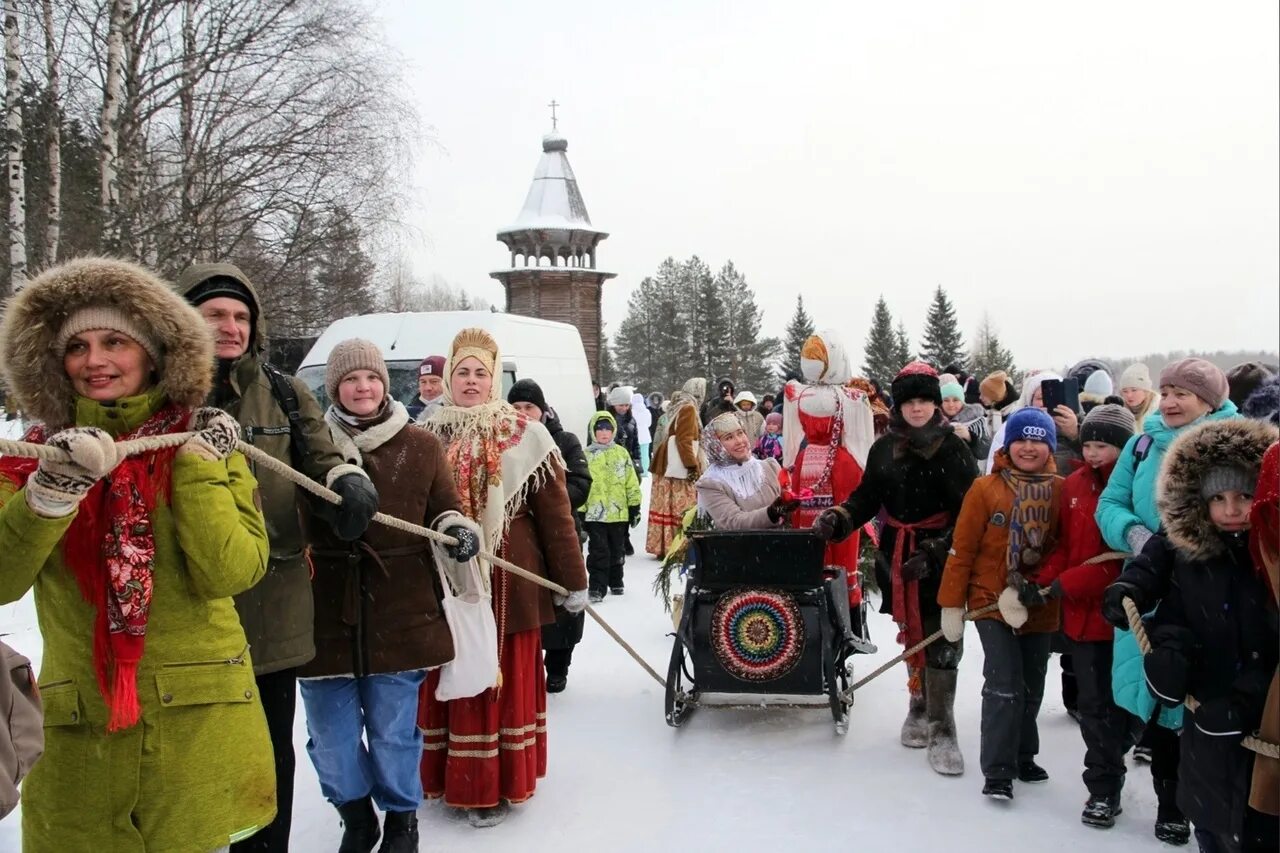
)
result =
(110, 547)
(1031, 518)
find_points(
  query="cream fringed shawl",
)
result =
(498, 457)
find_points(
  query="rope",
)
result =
(932, 638)
(1253, 743)
(151, 444)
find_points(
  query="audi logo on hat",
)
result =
(1034, 432)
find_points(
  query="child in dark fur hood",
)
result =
(1214, 634)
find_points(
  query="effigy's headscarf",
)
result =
(825, 366)
(745, 478)
(644, 420)
(497, 455)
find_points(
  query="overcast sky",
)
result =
(1100, 177)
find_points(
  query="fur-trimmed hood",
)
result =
(1237, 442)
(33, 369)
(200, 273)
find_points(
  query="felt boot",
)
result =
(940, 699)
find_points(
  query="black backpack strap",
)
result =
(287, 396)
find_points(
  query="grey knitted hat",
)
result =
(1227, 478)
(106, 317)
(1110, 423)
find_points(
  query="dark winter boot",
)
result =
(1029, 771)
(915, 728)
(1101, 810)
(998, 789)
(1171, 825)
(940, 700)
(360, 826)
(401, 830)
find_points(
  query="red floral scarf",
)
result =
(111, 549)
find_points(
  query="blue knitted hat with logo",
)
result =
(1031, 424)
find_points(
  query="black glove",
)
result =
(1113, 609)
(781, 508)
(468, 543)
(633, 516)
(1031, 595)
(359, 503)
(917, 567)
(824, 526)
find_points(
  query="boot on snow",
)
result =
(915, 729)
(401, 833)
(491, 816)
(1172, 826)
(940, 698)
(1101, 810)
(1029, 771)
(998, 789)
(360, 826)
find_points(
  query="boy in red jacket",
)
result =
(1108, 730)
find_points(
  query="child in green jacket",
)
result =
(611, 508)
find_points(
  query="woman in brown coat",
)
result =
(378, 622)
(677, 462)
(487, 751)
(1007, 525)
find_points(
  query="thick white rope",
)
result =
(150, 444)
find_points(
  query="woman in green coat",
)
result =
(155, 739)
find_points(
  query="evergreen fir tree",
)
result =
(799, 330)
(901, 349)
(636, 356)
(706, 319)
(880, 353)
(989, 355)
(750, 357)
(607, 372)
(943, 343)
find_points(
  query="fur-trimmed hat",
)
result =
(1232, 443)
(916, 381)
(36, 315)
(351, 355)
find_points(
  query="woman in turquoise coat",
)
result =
(155, 739)
(1192, 391)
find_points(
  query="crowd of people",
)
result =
(187, 596)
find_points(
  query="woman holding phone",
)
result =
(1040, 391)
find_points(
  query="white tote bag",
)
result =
(675, 466)
(468, 609)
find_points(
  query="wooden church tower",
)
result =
(553, 271)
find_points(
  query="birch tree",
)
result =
(108, 126)
(15, 141)
(53, 137)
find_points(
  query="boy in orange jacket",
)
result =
(1007, 525)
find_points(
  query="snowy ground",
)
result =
(620, 779)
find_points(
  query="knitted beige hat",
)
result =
(106, 317)
(353, 354)
(1136, 375)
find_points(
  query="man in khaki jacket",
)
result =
(22, 735)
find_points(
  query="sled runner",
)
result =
(763, 615)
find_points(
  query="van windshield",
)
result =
(404, 381)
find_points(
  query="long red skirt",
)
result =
(493, 746)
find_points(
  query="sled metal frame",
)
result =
(683, 696)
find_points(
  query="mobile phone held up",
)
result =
(1061, 392)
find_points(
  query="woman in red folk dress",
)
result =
(485, 752)
(836, 425)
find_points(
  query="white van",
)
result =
(547, 352)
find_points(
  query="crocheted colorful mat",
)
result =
(757, 634)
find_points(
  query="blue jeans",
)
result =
(342, 713)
